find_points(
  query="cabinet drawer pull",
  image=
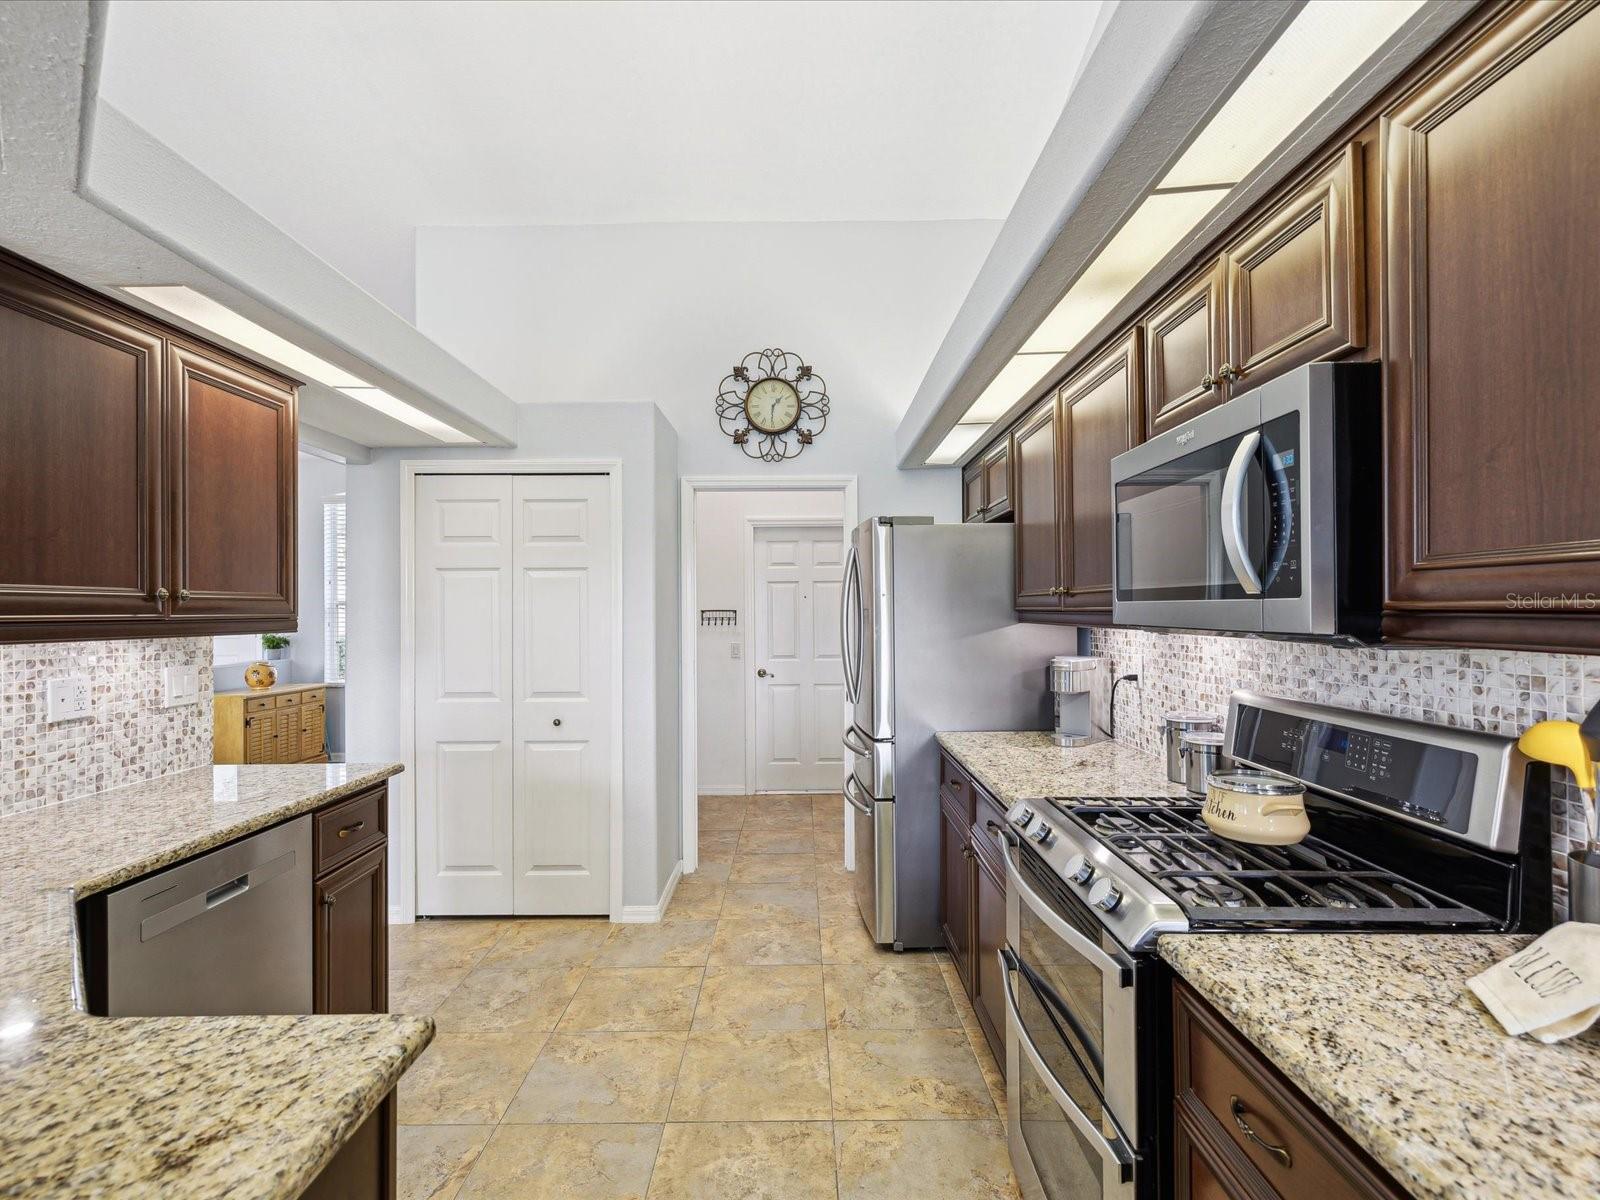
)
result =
(349, 829)
(1237, 1108)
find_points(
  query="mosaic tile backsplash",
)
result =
(1492, 690)
(127, 737)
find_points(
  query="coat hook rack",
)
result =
(718, 616)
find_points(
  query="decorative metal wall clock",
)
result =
(772, 405)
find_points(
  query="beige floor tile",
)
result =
(758, 999)
(836, 886)
(467, 1078)
(633, 999)
(722, 812)
(975, 1036)
(900, 994)
(773, 868)
(718, 845)
(836, 906)
(492, 998)
(716, 872)
(547, 942)
(753, 1076)
(905, 1074)
(563, 1162)
(433, 1160)
(796, 839)
(418, 992)
(747, 901)
(665, 944)
(748, 1161)
(779, 808)
(435, 945)
(696, 898)
(953, 1160)
(765, 942)
(846, 940)
(590, 1077)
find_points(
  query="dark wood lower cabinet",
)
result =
(972, 897)
(955, 894)
(1244, 1132)
(365, 1167)
(989, 935)
(352, 936)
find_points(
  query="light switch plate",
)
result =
(179, 686)
(734, 650)
(66, 699)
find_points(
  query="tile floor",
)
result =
(753, 1044)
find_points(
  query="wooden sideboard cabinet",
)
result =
(284, 724)
(1244, 1132)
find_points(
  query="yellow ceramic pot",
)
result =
(1256, 807)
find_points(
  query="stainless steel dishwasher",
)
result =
(226, 933)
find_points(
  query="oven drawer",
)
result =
(1227, 1089)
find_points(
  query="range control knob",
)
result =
(1042, 834)
(1104, 895)
(1079, 869)
(1022, 816)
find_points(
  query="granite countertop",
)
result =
(249, 1108)
(1022, 766)
(1379, 1031)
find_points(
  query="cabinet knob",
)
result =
(183, 593)
(1208, 383)
(162, 594)
(327, 899)
(1229, 372)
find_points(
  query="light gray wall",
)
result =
(628, 432)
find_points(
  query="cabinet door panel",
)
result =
(955, 898)
(1100, 406)
(351, 943)
(972, 497)
(80, 467)
(1296, 290)
(233, 454)
(989, 934)
(1036, 483)
(1183, 346)
(1490, 181)
(997, 482)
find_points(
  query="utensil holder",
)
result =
(1583, 885)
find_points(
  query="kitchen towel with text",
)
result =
(1549, 990)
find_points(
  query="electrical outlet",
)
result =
(735, 650)
(66, 699)
(179, 686)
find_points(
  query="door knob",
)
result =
(761, 672)
(556, 722)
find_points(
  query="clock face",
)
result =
(772, 405)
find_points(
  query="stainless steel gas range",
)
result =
(1413, 827)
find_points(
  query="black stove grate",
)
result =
(1220, 881)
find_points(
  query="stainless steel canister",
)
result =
(1203, 757)
(1175, 725)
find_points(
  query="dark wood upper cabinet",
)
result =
(973, 501)
(997, 482)
(81, 488)
(1492, 299)
(1100, 407)
(1036, 504)
(147, 480)
(1184, 348)
(234, 459)
(1297, 280)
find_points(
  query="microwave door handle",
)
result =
(1115, 1154)
(1107, 965)
(1233, 500)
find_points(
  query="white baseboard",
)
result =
(726, 789)
(399, 916)
(646, 914)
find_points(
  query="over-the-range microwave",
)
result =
(1264, 515)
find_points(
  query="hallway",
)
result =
(755, 1043)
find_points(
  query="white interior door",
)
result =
(796, 664)
(464, 637)
(513, 639)
(563, 598)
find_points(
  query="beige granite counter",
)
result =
(1027, 765)
(1378, 1030)
(182, 1107)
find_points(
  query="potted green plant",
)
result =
(276, 647)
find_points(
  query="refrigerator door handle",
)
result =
(849, 602)
(853, 743)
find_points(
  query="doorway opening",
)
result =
(762, 689)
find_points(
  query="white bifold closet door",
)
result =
(513, 694)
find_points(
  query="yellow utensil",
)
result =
(1562, 743)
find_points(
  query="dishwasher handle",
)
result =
(199, 903)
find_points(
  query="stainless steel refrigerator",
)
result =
(931, 643)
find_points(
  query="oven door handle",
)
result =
(1233, 499)
(1108, 966)
(1116, 1154)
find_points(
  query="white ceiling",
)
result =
(349, 125)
